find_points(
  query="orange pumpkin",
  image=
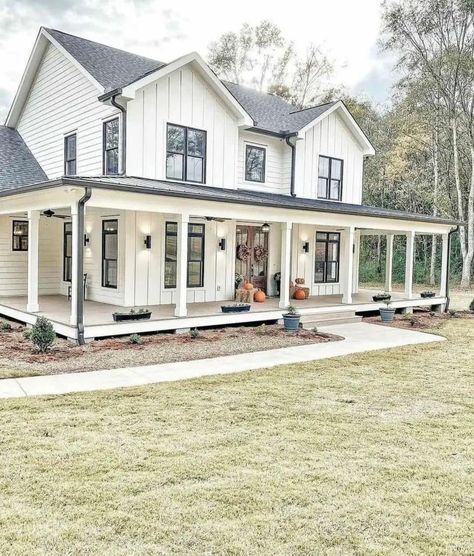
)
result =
(299, 294)
(259, 296)
(248, 286)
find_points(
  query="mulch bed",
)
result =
(421, 319)
(16, 352)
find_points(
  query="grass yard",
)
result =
(369, 454)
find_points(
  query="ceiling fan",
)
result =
(50, 213)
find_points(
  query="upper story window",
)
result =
(70, 148)
(255, 163)
(185, 154)
(111, 146)
(326, 263)
(20, 235)
(330, 178)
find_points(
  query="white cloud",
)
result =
(164, 30)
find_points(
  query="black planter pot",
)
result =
(381, 297)
(427, 295)
(119, 317)
(244, 307)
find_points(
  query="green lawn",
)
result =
(369, 454)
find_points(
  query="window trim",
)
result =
(103, 259)
(260, 148)
(65, 256)
(328, 184)
(66, 137)
(202, 260)
(185, 154)
(326, 261)
(104, 150)
(21, 249)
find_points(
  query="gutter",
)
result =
(123, 133)
(80, 266)
(448, 300)
(293, 162)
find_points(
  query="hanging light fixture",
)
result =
(266, 228)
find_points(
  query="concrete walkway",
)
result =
(359, 337)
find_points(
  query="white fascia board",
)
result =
(194, 59)
(31, 69)
(349, 121)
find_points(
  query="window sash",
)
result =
(111, 142)
(192, 156)
(20, 235)
(195, 261)
(326, 270)
(67, 252)
(109, 260)
(330, 178)
(261, 169)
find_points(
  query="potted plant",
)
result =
(291, 319)
(141, 314)
(388, 312)
(235, 308)
(427, 294)
(382, 296)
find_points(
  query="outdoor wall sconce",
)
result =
(306, 247)
(147, 241)
(86, 240)
(266, 228)
(222, 244)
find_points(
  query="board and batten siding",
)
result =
(181, 98)
(62, 100)
(330, 137)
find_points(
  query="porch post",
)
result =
(389, 263)
(33, 261)
(74, 263)
(285, 264)
(444, 265)
(410, 255)
(349, 260)
(181, 265)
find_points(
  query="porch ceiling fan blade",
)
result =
(50, 213)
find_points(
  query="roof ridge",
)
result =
(315, 106)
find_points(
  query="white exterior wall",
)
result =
(330, 137)
(277, 163)
(180, 98)
(62, 100)
(14, 264)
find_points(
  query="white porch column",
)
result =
(349, 263)
(74, 263)
(181, 265)
(33, 261)
(444, 265)
(410, 255)
(286, 228)
(389, 263)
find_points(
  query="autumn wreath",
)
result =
(260, 253)
(243, 252)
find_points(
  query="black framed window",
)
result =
(186, 153)
(111, 146)
(20, 235)
(326, 264)
(255, 159)
(195, 270)
(70, 156)
(109, 253)
(330, 178)
(67, 252)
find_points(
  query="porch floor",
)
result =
(57, 307)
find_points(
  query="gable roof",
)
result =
(18, 166)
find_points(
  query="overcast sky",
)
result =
(164, 29)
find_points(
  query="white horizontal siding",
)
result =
(62, 100)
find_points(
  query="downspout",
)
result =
(123, 133)
(80, 266)
(448, 300)
(293, 162)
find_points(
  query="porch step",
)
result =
(329, 319)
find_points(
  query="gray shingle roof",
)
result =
(18, 166)
(111, 67)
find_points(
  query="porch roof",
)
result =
(238, 196)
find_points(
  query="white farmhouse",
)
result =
(126, 182)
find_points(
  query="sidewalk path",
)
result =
(359, 337)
